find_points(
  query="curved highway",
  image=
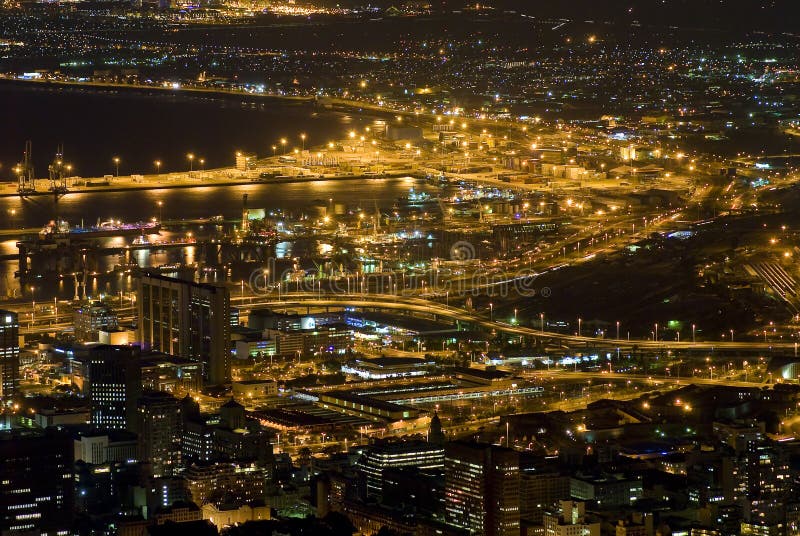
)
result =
(429, 307)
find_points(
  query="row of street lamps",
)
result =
(157, 163)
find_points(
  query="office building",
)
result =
(482, 488)
(36, 483)
(540, 489)
(91, 318)
(611, 489)
(570, 520)
(9, 353)
(228, 483)
(115, 384)
(376, 461)
(186, 319)
(159, 432)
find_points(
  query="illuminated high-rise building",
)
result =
(115, 384)
(159, 427)
(9, 353)
(36, 482)
(482, 488)
(394, 455)
(186, 319)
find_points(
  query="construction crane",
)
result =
(26, 181)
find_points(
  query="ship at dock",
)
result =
(61, 229)
(417, 199)
(61, 249)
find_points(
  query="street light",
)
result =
(160, 206)
(202, 163)
(283, 143)
(190, 156)
(303, 138)
(580, 321)
(116, 164)
(33, 304)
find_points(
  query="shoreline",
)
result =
(200, 183)
(324, 102)
(141, 88)
(161, 181)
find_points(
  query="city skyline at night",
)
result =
(411, 268)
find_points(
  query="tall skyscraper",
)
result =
(115, 384)
(482, 488)
(9, 353)
(159, 428)
(187, 319)
(36, 482)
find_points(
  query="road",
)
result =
(565, 375)
(392, 302)
(48, 322)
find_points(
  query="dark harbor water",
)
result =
(95, 126)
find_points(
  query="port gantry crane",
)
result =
(26, 180)
(57, 170)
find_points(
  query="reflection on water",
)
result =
(295, 200)
(195, 203)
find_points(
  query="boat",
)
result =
(415, 198)
(109, 228)
(439, 180)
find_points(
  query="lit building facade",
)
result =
(393, 455)
(9, 353)
(115, 384)
(36, 483)
(159, 432)
(482, 488)
(189, 320)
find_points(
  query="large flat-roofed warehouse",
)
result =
(484, 376)
(381, 368)
(366, 407)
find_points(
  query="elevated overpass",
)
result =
(433, 309)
